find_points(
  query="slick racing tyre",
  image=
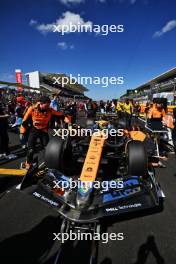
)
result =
(55, 154)
(137, 160)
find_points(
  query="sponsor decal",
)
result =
(85, 189)
(43, 198)
(89, 169)
(116, 195)
(123, 207)
(92, 157)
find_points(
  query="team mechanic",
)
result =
(38, 116)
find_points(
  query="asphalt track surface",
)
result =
(27, 227)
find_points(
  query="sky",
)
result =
(145, 48)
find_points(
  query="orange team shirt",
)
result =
(155, 113)
(40, 119)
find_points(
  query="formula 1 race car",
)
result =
(124, 181)
(88, 179)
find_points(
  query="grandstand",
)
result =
(14, 85)
(163, 86)
(46, 81)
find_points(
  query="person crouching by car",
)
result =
(39, 115)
